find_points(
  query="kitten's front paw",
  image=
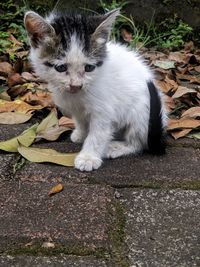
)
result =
(86, 162)
(77, 136)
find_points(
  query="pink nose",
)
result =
(75, 88)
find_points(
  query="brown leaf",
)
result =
(30, 77)
(66, 122)
(22, 54)
(192, 112)
(179, 57)
(171, 82)
(165, 87)
(169, 103)
(17, 90)
(56, 189)
(38, 98)
(181, 133)
(15, 79)
(127, 36)
(183, 123)
(5, 69)
(191, 78)
(197, 68)
(183, 91)
(189, 46)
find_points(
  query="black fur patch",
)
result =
(83, 26)
(156, 135)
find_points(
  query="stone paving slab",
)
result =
(60, 261)
(7, 162)
(10, 131)
(78, 217)
(178, 168)
(163, 227)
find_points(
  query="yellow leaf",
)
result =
(56, 189)
(16, 105)
(14, 117)
(26, 139)
(47, 155)
(49, 121)
(50, 129)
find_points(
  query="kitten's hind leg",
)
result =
(131, 145)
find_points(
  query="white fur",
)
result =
(114, 96)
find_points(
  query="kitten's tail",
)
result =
(156, 134)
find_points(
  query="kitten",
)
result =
(104, 86)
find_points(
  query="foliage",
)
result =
(176, 33)
(171, 33)
(10, 12)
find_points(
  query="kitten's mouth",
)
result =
(75, 89)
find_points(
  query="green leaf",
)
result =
(164, 64)
(2, 89)
(49, 121)
(194, 135)
(14, 117)
(26, 139)
(40, 155)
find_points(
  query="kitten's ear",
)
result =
(38, 29)
(102, 32)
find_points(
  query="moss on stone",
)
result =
(117, 250)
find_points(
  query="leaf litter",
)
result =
(176, 73)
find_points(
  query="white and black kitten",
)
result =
(104, 86)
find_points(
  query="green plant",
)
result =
(10, 12)
(176, 36)
(171, 33)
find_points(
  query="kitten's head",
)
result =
(68, 50)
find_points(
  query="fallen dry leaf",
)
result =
(14, 117)
(48, 122)
(127, 36)
(164, 86)
(17, 90)
(30, 77)
(183, 91)
(171, 82)
(48, 245)
(183, 123)
(47, 155)
(17, 105)
(26, 139)
(50, 129)
(38, 98)
(5, 69)
(14, 79)
(56, 189)
(189, 46)
(164, 64)
(66, 122)
(179, 57)
(169, 103)
(194, 135)
(187, 77)
(181, 133)
(193, 112)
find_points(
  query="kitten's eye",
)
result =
(61, 68)
(89, 68)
